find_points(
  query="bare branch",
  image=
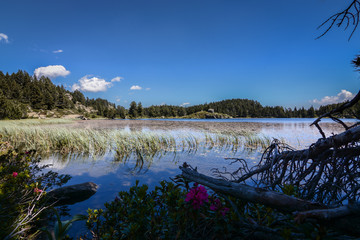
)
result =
(346, 17)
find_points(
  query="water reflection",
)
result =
(190, 144)
(115, 172)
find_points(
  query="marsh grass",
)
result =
(141, 145)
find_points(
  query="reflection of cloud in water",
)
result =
(94, 166)
(297, 134)
(114, 176)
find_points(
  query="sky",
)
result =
(183, 52)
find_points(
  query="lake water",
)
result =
(113, 176)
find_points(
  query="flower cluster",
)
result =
(197, 196)
(217, 206)
(37, 190)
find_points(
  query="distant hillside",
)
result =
(22, 95)
(245, 108)
(207, 115)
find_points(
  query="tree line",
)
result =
(237, 108)
(21, 93)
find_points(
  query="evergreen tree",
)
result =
(121, 112)
(311, 112)
(140, 110)
(133, 109)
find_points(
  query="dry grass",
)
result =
(125, 144)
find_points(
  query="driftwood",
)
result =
(342, 218)
(253, 194)
(325, 176)
(72, 194)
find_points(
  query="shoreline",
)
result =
(232, 127)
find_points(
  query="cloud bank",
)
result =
(51, 71)
(94, 84)
(4, 37)
(342, 96)
(91, 84)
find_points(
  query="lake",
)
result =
(113, 175)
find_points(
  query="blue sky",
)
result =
(183, 52)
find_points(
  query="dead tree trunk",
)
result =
(252, 194)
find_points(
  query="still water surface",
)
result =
(114, 176)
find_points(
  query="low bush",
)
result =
(22, 192)
(171, 211)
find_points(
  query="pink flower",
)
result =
(36, 190)
(224, 211)
(217, 206)
(15, 174)
(197, 195)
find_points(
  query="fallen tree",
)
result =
(325, 177)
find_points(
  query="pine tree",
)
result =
(140, 110)
(133, 109)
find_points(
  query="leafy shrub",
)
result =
(182, 212)
(167, 212)
(22, 191)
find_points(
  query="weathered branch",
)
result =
(346, 17)
(329, 214)
(322, 149)
(336, 141)
(269, 198)
(338, 217)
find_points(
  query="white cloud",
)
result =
(4, 37)
(58, 51)
(135, 87)
(342, 96)
(91, 84)
(118, 99)
(116, 79)
(184, 104)
(75, 87)
(147, 89)
(52, 71)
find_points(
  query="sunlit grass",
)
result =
(125, 144)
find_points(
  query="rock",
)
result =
(208, 116)
(68, 95)
(210, 110)
(84, 118)
(72, 194)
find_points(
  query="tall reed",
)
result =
(124, 143)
